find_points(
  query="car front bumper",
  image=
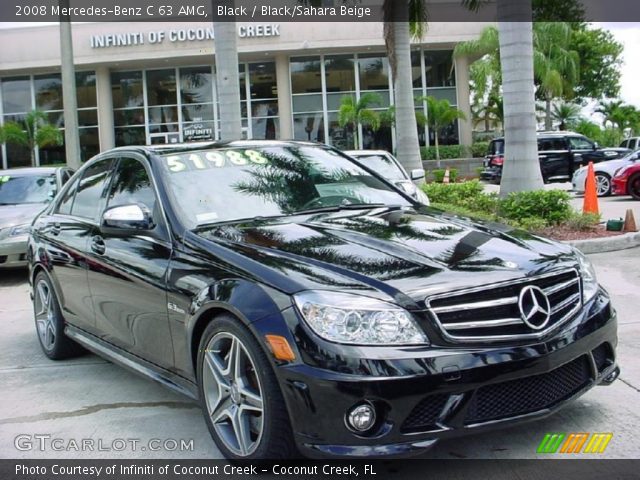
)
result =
(447, 391)
(491, 174)
(13, 252)
(619, 186)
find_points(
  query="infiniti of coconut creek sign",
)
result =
(174, 35)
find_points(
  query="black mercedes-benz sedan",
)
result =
(309, 305)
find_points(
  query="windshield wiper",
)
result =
(349, 206)
(257, 218)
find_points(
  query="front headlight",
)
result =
(20, 230)
(588, 274)
(354, 319)
(621, 171)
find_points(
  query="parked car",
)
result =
(385, 164)
(604, 172)
(632, 143)
(24, 192)
(560, 154)
(626, 181)
(309, 305)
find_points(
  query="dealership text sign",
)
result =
(178, 35)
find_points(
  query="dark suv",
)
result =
(560, 154)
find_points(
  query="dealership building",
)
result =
(149, 83)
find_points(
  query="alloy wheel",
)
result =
(233, 394)
(45, 315)
(603, 185)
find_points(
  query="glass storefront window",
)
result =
(416, 69)
(305, 75)
(89, 143)
(439, 68)
(127, 89)
(196, 85)
(262, 79)
(308, 127)
(18, 156)
(197, 113)
(163, 114)
(373, 72)
(265, 128)
(86, 89)
(130, 136)
(340, 137)
(197, 131)
(161, 87)
(340, 73)
(16, 95)
(48, 91)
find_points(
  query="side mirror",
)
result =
(596, 145)
(417, 174)
(128, 219)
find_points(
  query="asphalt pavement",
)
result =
(59, 405)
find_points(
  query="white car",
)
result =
(387, 166)
(604, 172)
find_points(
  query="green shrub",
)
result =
(438, 174)
(583, 221)
(446, 152)
(550, 205)
(468, 195)
(479, 149)
(530, 223)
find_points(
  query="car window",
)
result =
(580, 143)
(496, 147)
(382, 165)
(551, 144)
(131, 185)
(624, 144)
(21, 189)
(65, 176)
(91, 191)
(65, 203)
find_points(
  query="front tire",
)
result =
(240, 396)
(634, 186)
(603, 184)
(50, 322)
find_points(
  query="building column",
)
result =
(285, 111)
(464, 102)
(105, 109)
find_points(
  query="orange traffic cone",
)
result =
(446, 179)
(629, 222)
(590, 204)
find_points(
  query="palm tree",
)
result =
(565, 113)
(357, 112)
(521, 171)
(34, 131)
(228, 80)
(556, 68)
(440, 114)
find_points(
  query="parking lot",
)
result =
(88, 398)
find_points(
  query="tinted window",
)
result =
(382, 165)
(496, 147)
(64, 205)
(579, 143)
(131, 185)
(19, 189)
(548, 144)
(91, 190)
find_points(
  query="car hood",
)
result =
(611, 166)
(11, 215)
(381, 250)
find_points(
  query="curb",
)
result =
(607, 244)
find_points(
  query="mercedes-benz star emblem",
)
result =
(535, 309)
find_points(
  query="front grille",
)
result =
(425, 413)
(492, 313)
(529, 394)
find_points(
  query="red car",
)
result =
(626, 181)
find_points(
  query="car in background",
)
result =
(388, 166)
(604, 172)
(559, 153)
(626, 181)
(24, 193)
(632, 143)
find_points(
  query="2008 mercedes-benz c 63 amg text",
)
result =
(308, 304)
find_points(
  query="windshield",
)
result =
(19, 189)
(382, 165)
(221, 185)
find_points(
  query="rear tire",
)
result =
(633, 186)
(240, 396)
(50, 322)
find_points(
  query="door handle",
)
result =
(55, 229)
(97, 245)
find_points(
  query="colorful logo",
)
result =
(574, 442)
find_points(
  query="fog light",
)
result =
(361, 417)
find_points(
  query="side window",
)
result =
(580, 143)
(64, 205)
(131, 185)
(90, 195)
